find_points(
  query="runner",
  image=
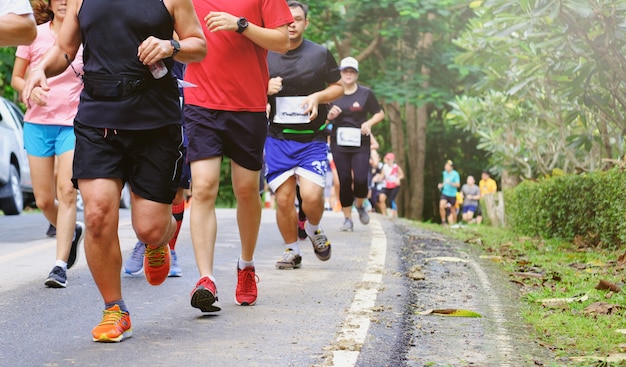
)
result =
(304, 80)
(127, 129)
(134, 263)
(49, 135)
(350, 140)
(225, 115)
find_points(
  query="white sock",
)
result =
(244, 264)
(293, 247)
(311, 228)
(61, 263)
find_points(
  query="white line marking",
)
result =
(502, 337)
(351, 338)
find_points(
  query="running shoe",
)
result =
(204, 295)
(321, 244)
(52, 231)
(79, 234)
(175, 270)
(347, 225)
(301, 231)
(364, 217)
(156, 263)
(289, 260)
(246, 292)
(114, 327)
(57, 278)
(135, 262)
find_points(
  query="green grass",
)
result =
(569, 270)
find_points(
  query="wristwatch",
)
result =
(175, 47)
(242, 25)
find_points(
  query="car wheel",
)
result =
(13, 204)
(125, 199)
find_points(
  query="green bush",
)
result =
(589, 207)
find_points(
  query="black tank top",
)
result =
(111, 33)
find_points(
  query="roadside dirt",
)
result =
(444, 274)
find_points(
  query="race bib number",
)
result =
(289, 110)
(349, 136)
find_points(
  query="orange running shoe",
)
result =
(156, 263)
(114, 327)
(246, 292)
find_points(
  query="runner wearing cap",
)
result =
(350, 140)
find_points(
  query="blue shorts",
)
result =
(468, 208)
(286, 158)
(48, 140)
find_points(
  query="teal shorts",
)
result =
(48, 140)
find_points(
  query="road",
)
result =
(358, 308)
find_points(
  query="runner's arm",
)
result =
(17, 29)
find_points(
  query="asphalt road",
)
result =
(358, 308)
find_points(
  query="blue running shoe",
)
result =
(175, 270)
(135, 261)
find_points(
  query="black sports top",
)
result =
(308, 69)
(112, 30)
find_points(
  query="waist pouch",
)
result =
(112, 87)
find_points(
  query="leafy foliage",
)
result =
(588, 208)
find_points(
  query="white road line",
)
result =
(502, 337)
(351, 338)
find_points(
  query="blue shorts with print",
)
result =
(286, 158)
(48, 140)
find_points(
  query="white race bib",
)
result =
(349, 136)
(290, 111)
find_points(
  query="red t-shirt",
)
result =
(234, 74)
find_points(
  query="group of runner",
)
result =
(127, 128)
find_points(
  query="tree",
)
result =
(554, 76)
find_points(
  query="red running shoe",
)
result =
(246, 292)
(156, 264)
(204, 296)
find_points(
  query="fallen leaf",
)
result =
(457, 313)
(601, 308)
(622, 259)
(450, 312)
(605, 285)
(621, 331)
(493, 258)
(447, 259)
(617, 357)
(558, 302)
(416, 273)
(526, 275)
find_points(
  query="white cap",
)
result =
(349, 62)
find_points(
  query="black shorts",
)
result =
(237, 135)
(149, 160)
(450, 199)
(185, 175)
(479, 211)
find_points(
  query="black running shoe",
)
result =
(79, 234)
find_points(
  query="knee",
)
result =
(284, 201)
(204, 191)
(247, 192)
(67, 193)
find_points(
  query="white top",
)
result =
(18, 7)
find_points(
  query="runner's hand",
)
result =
(274, 86)
(36, 79)
(154, 49)
(366, 129)
(310, 105)
(220, 21)
(333, 113)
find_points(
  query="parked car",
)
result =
(124, 200)
(15, 182)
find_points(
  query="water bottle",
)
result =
(158, 69)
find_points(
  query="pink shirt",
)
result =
(64, 94)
